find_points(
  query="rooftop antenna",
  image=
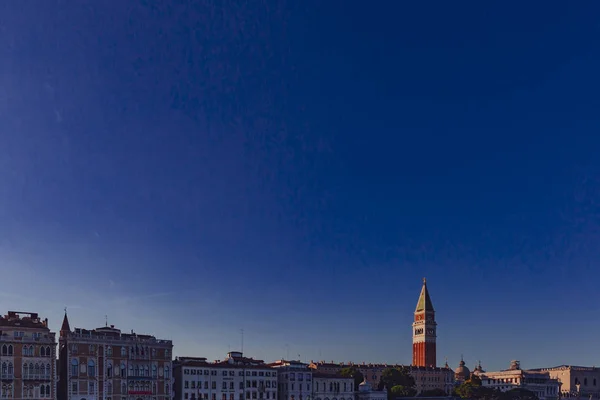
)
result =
(106, 320)
(242, 335)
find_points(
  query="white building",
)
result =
(539, 382)
(576, 381)
(332, 387)
(294, 380)
(235, 378)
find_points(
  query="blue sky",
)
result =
(295, 168)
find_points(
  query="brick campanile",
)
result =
(424, 331)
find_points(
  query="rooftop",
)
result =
(22, 319)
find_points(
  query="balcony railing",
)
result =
(37, 377)
(7, 376)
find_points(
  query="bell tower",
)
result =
(424, 331)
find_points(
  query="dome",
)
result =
(364, 386)
(462, 372)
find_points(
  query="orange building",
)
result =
(106, 364)
(27, 357)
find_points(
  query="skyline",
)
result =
(295, 169)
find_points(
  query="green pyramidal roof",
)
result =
(424, 303)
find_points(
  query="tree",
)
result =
(401, 391)
(401, 377)
(353, 372)
(472, 389)
(433, 393)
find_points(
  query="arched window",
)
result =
(4, 350)
(109, 388)
(131, 370)
(4, 368)
(167, 389)
(109, 351)
(154, 371)
(137, 387)
(123, 388)
(11, 371)
(123, 370)
(10, 350)
(137, 371)
(48, 370)
(25, 370)
(123, 351)
(91, 368)
(167, 372)
(109, 370)
(154, 388)
(47, 390)
(42, 390)
(147, 370)
(48, 351)
(42, 352)
(74, 367)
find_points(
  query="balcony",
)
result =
(37, 377)
(7, 377)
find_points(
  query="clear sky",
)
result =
(295, 168)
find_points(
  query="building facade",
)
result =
(426, 378)
(27, 357)
(106, 364)
(294, 380)
(332, 387)
(576, 381)
(235, 378)
(539, 382)
(424, 331)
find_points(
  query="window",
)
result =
(224, 385)
(42, 354)
(167, 389)
(167, 372)
(92, 348)
(154, 371)
(5, 350)
(146, 371)
(25, 370)
(74, 388)
(48, 370)
(123, 388)
(10, 350)
(109, 370)
(74, 367)
(91, 387)
(91, 368)
(214, 385)
(185, 396)
(109, 351)
(123, 370)
(224, 396)
(123, 351)
(42, 391)
(109, 388)
(131, 370)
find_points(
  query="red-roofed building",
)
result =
(106, 364)
(27, 357)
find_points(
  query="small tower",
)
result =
(65, 329)
(424, 331)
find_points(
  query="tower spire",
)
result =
(65, 328)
